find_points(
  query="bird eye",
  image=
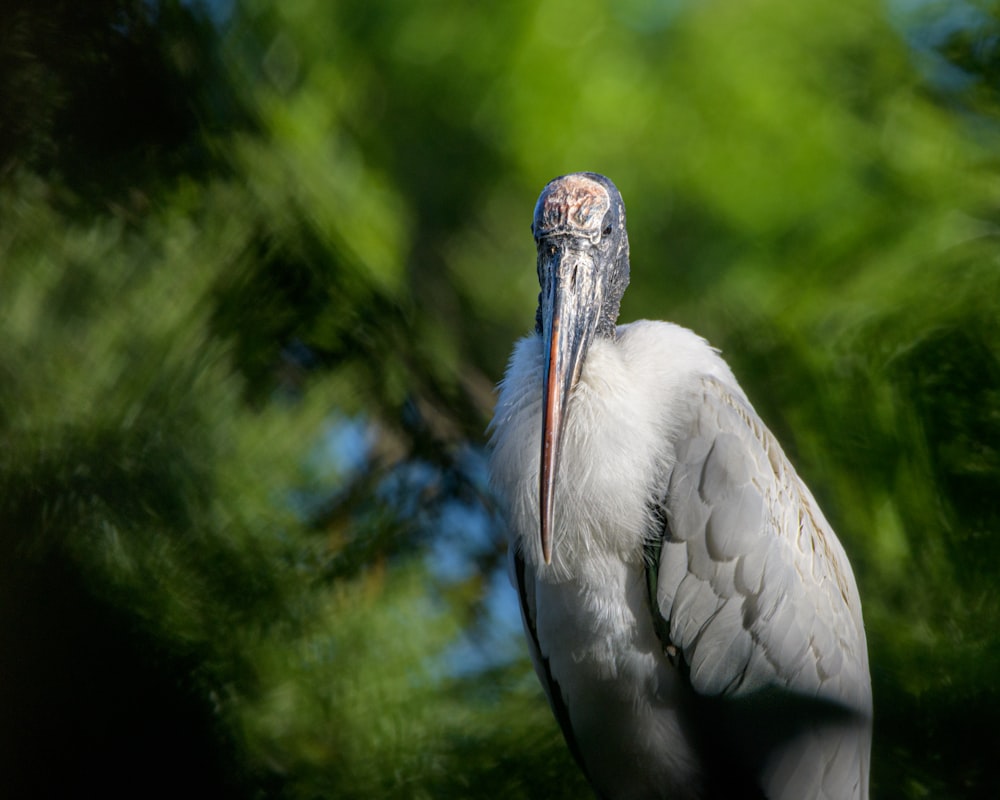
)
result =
(607, 231)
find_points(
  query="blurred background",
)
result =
(261, 265)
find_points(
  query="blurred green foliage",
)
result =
(232, 232)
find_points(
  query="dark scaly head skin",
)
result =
(573, 204)
(585, 207)
(583, 270)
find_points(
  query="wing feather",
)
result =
(526, 597)
(742, 510)
(758, 596)
(722, 653)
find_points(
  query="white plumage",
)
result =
(698, 629)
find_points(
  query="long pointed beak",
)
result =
(570, 309)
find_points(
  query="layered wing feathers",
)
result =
(758, 595)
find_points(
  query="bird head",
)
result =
(583, 269)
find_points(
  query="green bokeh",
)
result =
(218, 236)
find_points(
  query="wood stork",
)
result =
(691, 615)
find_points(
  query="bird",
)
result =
(691, 615)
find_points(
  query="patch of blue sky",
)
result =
(496, 639)
(342, 452)
(464, 530)
(345, 446)
(926, 25)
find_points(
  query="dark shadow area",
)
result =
(94, 706)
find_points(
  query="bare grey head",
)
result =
(579, 227)
(583, 270)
